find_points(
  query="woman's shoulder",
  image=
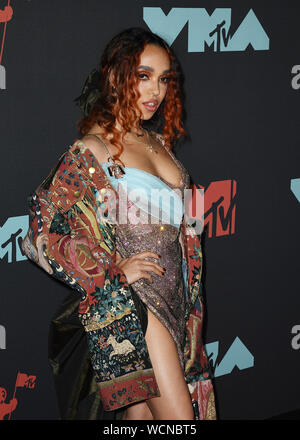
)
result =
(89, 150)
(71, 172)
(156, 134)
(95, 145)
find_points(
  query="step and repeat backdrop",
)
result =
(241, 66)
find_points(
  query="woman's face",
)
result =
(153, 71)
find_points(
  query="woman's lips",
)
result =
(150, 107)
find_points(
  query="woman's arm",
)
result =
(71, 236)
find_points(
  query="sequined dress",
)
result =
(166, 296)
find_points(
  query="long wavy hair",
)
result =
(121, 56)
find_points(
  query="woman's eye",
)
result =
(142, 74)
(164, 79)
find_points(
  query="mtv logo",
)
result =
(30, 382)
(220, 207)
(12, 233)
(214, 29)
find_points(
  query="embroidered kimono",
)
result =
(72, 237)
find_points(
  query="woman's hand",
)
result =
(136, 267)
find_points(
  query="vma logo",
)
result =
(237, 356)
(220, 207)
(211, 30)
(11, 235)
(295, 188)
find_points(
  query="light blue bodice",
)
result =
(150, 193)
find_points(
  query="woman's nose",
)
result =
(155, 89)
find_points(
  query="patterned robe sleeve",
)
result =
(72, 237)
(198, 368)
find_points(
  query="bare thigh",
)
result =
(174, 402)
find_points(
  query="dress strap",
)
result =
(159, 137)
(99, 138)
(115, 169)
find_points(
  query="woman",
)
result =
(139, 281)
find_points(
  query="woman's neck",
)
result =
(135, 129)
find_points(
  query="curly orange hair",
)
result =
(121, 57)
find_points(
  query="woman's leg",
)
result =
(175, 401)
(137, 411)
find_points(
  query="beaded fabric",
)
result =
(165, 297)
